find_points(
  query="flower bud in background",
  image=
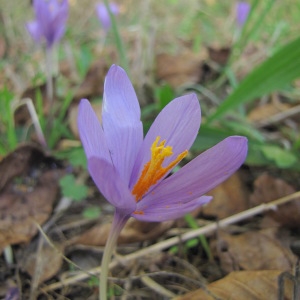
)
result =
(242, 12)
(12, 294)
(50, 21)
(103, 14)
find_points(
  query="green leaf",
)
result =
(283, 158)
(164, 94)
(210, 136)
(92, 212)
(93, 281)
(260, 153)
(7, 128)
(70, 188)
(273, 74)
(193, 224)
(75, 156)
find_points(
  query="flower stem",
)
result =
(118, 39)
(118, 223)
(49, 71)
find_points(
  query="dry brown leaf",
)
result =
(29, 186)
(94, 80)
(43, 264)
(3, 47)
(73, 113)
(243, 285)
(179, 69)
(254, 250)
(230, 197)
(134, 231)
(18, 162)
(219, 55)
(267, 110)
(267, 189)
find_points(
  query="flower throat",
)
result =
(153, 170)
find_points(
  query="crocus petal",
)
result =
(58, 21)
(42, 14)
(121, 121)
(91, 132)
(58, 26)
(51, 17)
(114, 8)
(242, 12)
(200, 175)
(111, 185)
(176, 209)
(41, 9)
(178, 123)
(103, 14)
(33, 29)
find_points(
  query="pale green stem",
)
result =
(35, 120)
(49, 72)
(118, 39)
(119, 222)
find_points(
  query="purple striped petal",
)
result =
(176, 209)
(111, 185)
(121, 121)
(200, 175)
(178, 123)
(91, 132)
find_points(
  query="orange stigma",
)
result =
(153, 170)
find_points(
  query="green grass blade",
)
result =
(118, 39)
(273, 74)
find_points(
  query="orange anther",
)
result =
(153, 170)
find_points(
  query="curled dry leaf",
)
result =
(134, 231)
(44, 264)
(230, 197)
(254, 250)
(29, 186)
(267, 189)
(243, 285)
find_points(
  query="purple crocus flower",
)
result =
(51, 17)
(242, 12)
(12, 294)
(131, 171)
(104, 16)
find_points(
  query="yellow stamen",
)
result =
(153, 170)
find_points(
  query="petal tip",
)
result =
(238, 140)
(83, 105)
(239, 143)
(114, 69)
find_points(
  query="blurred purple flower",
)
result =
(103, 14)
(131, 171)
(242, 12)
(12, 294)
(51, 17)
